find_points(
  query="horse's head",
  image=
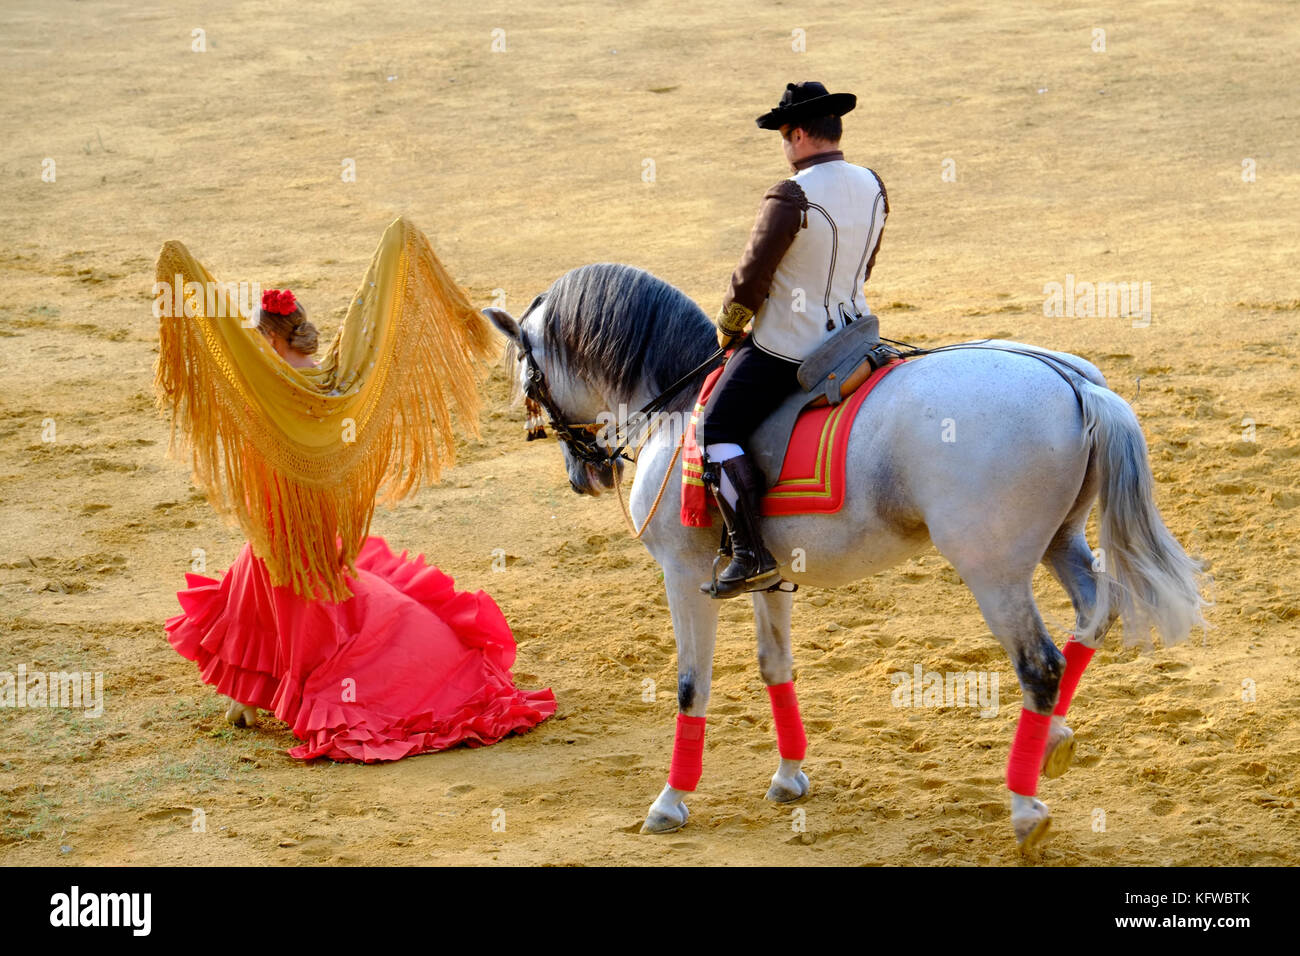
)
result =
(571, 403)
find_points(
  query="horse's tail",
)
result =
(1143, 571)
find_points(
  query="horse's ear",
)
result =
(504, 322)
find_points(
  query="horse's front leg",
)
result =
(776, 665)
(695, 626)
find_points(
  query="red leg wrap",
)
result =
(1027, 752)
(790, 738)
(688, 753)
(1076, 659)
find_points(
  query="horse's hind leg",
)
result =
(1071, 562)
(1012, 616)
(776, 665)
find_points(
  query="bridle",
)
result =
(581, 437)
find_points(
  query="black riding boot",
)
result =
(752, 566)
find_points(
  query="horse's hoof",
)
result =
(668, 820)
(1031, 826)
(787, 790)
(1060, 752)
(241, 715)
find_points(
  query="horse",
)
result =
(993, 454)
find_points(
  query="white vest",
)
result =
(818, 284)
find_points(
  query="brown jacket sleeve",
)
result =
(780, 217)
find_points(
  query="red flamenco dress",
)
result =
(405, 666)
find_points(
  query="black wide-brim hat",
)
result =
(803, 101)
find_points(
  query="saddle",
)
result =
(800, 448)
(843, 362)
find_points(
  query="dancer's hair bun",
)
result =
(304, 338)
(283, 314)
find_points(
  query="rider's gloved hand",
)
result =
(732, 319)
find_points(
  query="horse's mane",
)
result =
(618, 325)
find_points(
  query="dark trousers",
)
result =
(752, 385)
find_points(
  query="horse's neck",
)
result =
(657, 451)
(637, 397)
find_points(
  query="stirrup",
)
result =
(771, 581)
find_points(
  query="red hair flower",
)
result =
(279, 302)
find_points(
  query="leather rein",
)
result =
(583, 443)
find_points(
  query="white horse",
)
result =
(993, 456)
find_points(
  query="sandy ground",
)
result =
(1125, 164)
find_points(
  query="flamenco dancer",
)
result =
(367, 655)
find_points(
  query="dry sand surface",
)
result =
(1125, 164)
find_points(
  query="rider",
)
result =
(810, 251)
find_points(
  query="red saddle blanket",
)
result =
(812, 473)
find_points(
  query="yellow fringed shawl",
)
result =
(297, 456)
